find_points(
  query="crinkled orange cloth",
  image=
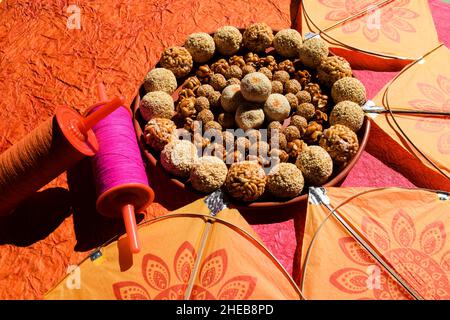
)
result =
(44, 64)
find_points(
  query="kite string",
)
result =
(34, 161)
(118, 161)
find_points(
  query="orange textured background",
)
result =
(44, 64)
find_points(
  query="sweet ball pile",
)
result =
(306, 99)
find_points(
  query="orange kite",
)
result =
(372, 34)
(416, 142)
(387, 244)
(193, 253)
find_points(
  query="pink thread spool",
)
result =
(121, 181)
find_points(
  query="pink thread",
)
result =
(118, 160)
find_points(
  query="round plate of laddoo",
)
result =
(260, 114)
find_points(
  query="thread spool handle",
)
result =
(77, 130)
(129, 219)
(102, 112)
(127, 208)
(101, 91)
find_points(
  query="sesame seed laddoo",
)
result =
(205, 90)
(208, 174)
(246, 181)
(253, 135)
(266, 71)
(201, 103)
(247, 69)
(278, 140)
(228, 40)
(233, 72)
(261, 103)
(277, 107)
(228, 139)
(205, 116)
(178, 60)
(350, 89)
(201, 46)
(312, 52)
(213, 125)
(306, 110)
(303, 97)
(293, 101)
(300, 122)
(258, 37)
(214, 99)
(348, 114)
(249, 116)
(178, 157)
(340, 142)
(281, 76)
(316, 165)
(242, 143)
(160, 79)
(260, 148)
(277, 87)
(157, 104)
(287, 42)
(292, 133)
(232, 81)
(273, 127)
(256, 87)
(218, 81)
(285, 180)
(292, 86)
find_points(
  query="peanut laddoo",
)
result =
(332, 69)
(178, 60)
(340, 142)
(246, 181)
(258, 37)
(158, 132)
